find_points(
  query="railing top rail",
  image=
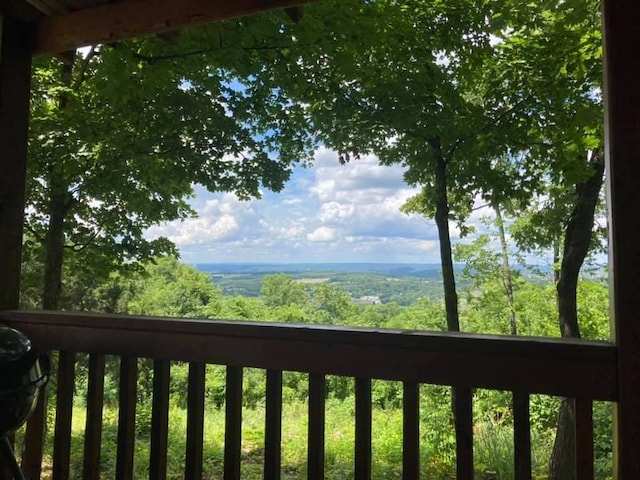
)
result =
(535, 365)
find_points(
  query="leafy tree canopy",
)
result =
(119, 138)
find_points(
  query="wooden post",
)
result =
(15, 82)
(15, 78)
(622, 131)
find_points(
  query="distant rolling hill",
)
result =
(391, 282)
(428, 270)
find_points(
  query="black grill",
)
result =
(23, 371)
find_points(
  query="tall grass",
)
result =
(493, 444)
(494, 451)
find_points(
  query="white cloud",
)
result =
(335, 212)
(196, 231)
(327, 213)
(322, 234)
(359, 181)
(426, 245)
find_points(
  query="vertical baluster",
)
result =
(64, 410)
(233, 424)
(195, 421)
(273, 426)
(410, 431)
(126, 418)
(315, 454)
(34, 438)
(521, 436)
(363, 429)
(584, 439)
(159, 420)
(93, 425)
(463, 411)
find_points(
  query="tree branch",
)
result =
(83, 67)
(153, 59)
(79, 247)
(491, 123)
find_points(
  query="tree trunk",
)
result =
(442, 223)
(448, 274)
(506, 271)
(562, 465)
(60, 202)
(54, 251)
(577, 240)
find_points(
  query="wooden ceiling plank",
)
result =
(132, 18)
(48, 7)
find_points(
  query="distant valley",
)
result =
(365, 282)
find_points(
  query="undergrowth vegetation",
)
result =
(170, 288)
(493, 433)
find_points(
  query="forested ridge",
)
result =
(403, 284)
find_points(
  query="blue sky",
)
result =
(326, 213)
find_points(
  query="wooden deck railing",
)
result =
(585, 371)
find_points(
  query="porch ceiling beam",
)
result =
(133, 18)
